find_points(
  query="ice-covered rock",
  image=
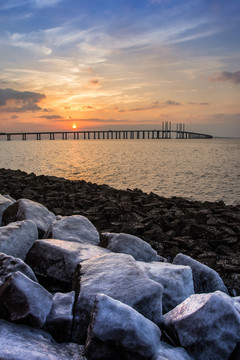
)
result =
(168, 352)
(74, 228)
(205, 279)
(4, 203)
(24, 300)
(17, 238)
(117, 331)
(177, 281)
(24, 209)
(118, 276)
(131, 245)
(206, 325)
(59, 320)
(10, 264)
(21, 342)
(54, 261)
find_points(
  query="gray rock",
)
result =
(167, 352)
(205, 279)
(17, 238)
(10, 264)
(177, 282)
(25, 209)
(118, 276)
(59, 320)
(117, 331)
(56, 260)
(20, 342)
(4, 203)
(23, 300)
(74, 228)
(131, 245)
(206, 325)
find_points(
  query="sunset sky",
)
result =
(120, 64)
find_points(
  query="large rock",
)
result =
(10, 264)
(177, 282)
(24, 300)
(131, 245)
(168, 352)
(205, 279)
(4, 203)
(118, 332)
(206, 325)
(59, 320)
(118, 276)
(74, 228)
(20, 342)
(24, 209)
(54, 261)
(17, 238)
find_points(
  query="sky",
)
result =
(120, 64)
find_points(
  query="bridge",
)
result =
(165, 132)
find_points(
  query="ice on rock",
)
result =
(21, 342)
(25, 209)
(131, 245)
(4, 203)
(177, 282)
(17, 238)
(206, 325)
(10, 264)
(59, 320)
(56, 261)
(167, 352)
(205, 279)
(117, 331)
(24, 300)
(118, 276)
(74, 228)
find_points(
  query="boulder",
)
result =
(54, 261)
(205, 279)
(74, 228)
(22, 342)
(17, 238)
(10, 264)
(59, 320)
(206, 325)
(24, 300)
(118, 276)
(168, 352)
(25, 209)
(117, 331)
(177, 282)
(4, 203)
(131, 245)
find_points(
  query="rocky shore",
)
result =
(207, 231)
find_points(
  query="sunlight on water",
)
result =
(196, 169)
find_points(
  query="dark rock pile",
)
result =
(208, 232)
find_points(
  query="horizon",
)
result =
(130, 64)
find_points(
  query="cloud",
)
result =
(51, 117)
(171, 102)
(19, 101)
(201, 103)
(233, 77)
(154, 105)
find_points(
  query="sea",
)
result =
(196, 169)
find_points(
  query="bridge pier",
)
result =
(38, 136)
(51, 136)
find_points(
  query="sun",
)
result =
(74, 126)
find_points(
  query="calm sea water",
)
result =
(195, 169)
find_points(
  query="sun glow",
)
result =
(74, 126)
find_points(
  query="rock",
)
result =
(17, 238)
(205, 279)
(177, 282)
(206, 325)
(74, 228)
(24, 300)
(59, 320)
(10, 264)
(131, 245)
(118, 276)
(4, 203)
(117, 331)
(21, 342)
(25, 209)
(167, 352)
(54, 261)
